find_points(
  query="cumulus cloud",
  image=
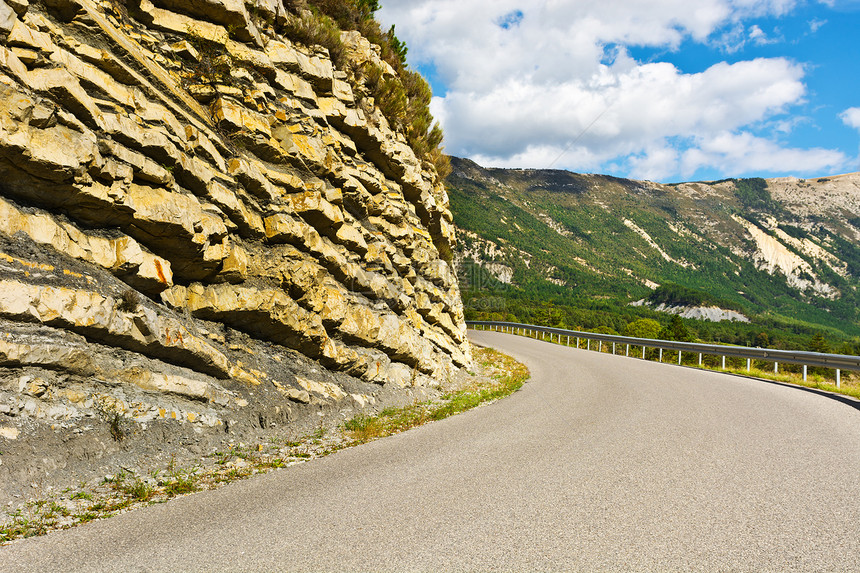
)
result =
(851, 117)
(543, 83)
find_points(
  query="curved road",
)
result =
(600, 463)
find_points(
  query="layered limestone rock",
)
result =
(178, 174)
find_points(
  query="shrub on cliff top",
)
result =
(404, 101)
(309, 29)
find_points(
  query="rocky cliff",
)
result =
(204, 221)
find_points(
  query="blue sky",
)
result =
(666, 90)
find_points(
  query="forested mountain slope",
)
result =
(575, 250)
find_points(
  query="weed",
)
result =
(111, 412)
(508, 378)
(239, 452)
(115, 480)
(22, 526)
(181, 482)
(56, 508)
(365, 428)
(319, 433)
(139, 490)
(129, 301)
(85, 517)
(238, 473)
(213, 65)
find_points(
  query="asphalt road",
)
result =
(599, 463)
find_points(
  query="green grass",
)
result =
(848, 387)
(508, 377)
(849, 383)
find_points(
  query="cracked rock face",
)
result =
(169, 231)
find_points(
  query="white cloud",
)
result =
(851, 117)
(529, 82)
(760, 38)
(815, 25)
(743, 153)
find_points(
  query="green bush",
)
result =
(753, 194)
(316, 29)
(676, 330)
(604, 330)
(403, 100)
(643, 328)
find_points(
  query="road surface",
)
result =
(600, 463)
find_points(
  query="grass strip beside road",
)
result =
(505, 376)
(498, 375)
(849, 384)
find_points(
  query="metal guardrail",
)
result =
(838, 362)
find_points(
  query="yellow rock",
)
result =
(24, 36)
(316, 209)
(180, 24)
(157, 336)
(234, 268)
(9, 432)
(239, 118)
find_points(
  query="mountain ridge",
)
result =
(784, 250)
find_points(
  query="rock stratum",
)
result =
(208, 248)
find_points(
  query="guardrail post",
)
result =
(838, 378)
(749, 365)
